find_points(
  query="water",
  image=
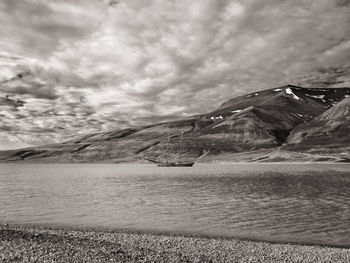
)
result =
(308, 203)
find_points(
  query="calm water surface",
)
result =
(307, 203)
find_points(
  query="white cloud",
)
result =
(100, 65)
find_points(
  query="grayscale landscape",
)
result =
(284, 124)
(174, 131)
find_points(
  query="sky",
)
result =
(72, 67)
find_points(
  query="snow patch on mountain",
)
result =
(321, 97)
(216, 117)
(290, 92)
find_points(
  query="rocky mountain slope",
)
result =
(329, 133)
(288, 123)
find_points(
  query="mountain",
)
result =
(329, 133)
(287, 123)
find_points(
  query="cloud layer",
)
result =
(86, 66)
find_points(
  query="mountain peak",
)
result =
(258, 121)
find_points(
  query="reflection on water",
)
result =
(289, 202)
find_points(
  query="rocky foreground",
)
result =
(38, 244)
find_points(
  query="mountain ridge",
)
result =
(259, 126)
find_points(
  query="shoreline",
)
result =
(205, 163)
(175, 234)
(76, 244)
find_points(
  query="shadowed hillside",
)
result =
(286, 123)
(327, 134)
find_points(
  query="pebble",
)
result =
(42, 244)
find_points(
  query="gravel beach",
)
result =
(44, 244)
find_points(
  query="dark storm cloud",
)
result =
(326, 77)
(8, 101)
(343, 2)
(25, 83)
(100, 65)
(38, 27)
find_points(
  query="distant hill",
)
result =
(287, 123)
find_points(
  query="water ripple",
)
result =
(296, 202)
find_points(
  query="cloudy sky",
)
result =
(70, 67)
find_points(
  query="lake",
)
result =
(307, 203)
